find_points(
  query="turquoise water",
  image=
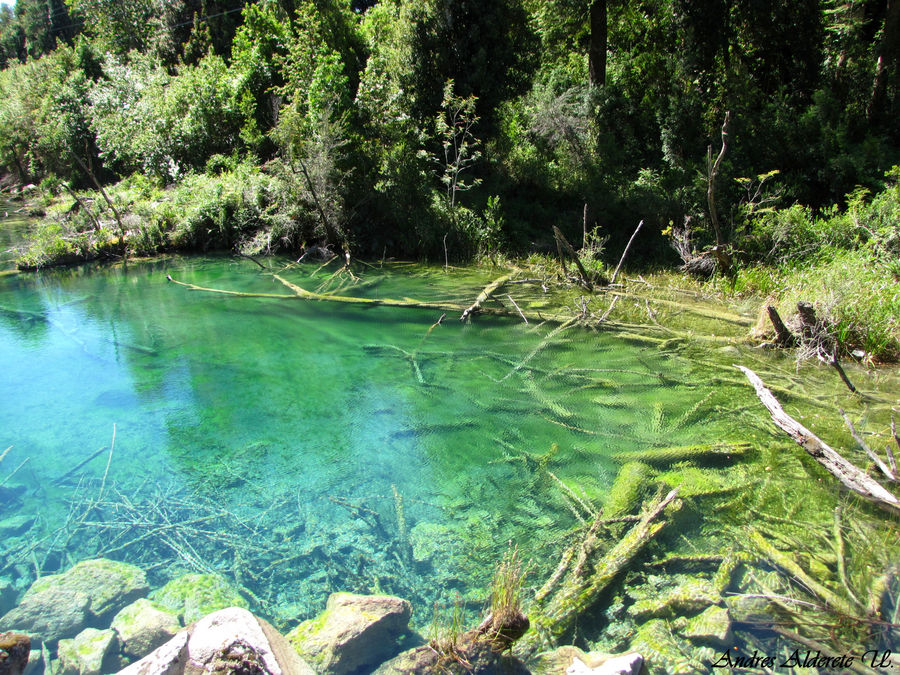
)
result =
(300, 448)
(308, 424)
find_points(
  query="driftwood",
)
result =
(850, 476)
(483, 297)
(585, 581)
(303, 294)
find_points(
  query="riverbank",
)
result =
(843, 262)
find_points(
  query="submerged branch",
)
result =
(850, 476)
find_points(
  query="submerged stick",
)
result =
(108, 462)
(78, 466)
(524, 318)
(15, 471)
(889, 474)
(850, 476)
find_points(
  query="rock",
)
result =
(91, 652)
(228, 641)
(35, 659)
(193, 596)
(624, 664)
(15, 525)
(142, 628)
(15, 649)
(49, 614)
(712, 626)
(748, 610)
(109, 585)
(7, 595)
(168, 659)
(572, 660)
(10, 494)
(428, 539)
(352, 632)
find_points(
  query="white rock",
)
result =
(625, 664)
(224, 641)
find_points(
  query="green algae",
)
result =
(193, 596)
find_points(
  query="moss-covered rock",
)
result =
(354, 631)
(429, 539)
(665, 654)
(193, 596)
(712, 626)
(109, 585)
(142, 627)
(91, 652)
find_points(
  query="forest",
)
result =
(757, 139)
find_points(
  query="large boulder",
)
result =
(91, 652)
(15, 648)
(88, 594)
(353, 631)
(193, 596)
(231, 640)
(50, 614)
(142, 628)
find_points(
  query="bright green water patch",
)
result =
(300, 448)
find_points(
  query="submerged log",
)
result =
(674, 454)
(588, 579)
(849, 475)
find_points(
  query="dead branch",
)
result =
(563, 245)
(783, 336)
(625, 253)
(483, 296)
(713, 171)
(890, 474)
(849, 475)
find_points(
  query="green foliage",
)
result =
(148, 120)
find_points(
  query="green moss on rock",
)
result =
(193, 596)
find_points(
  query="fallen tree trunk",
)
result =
(484, 295)
(581, 587)
(850, 476)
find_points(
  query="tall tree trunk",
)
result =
(597, 50)
(888, 63)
